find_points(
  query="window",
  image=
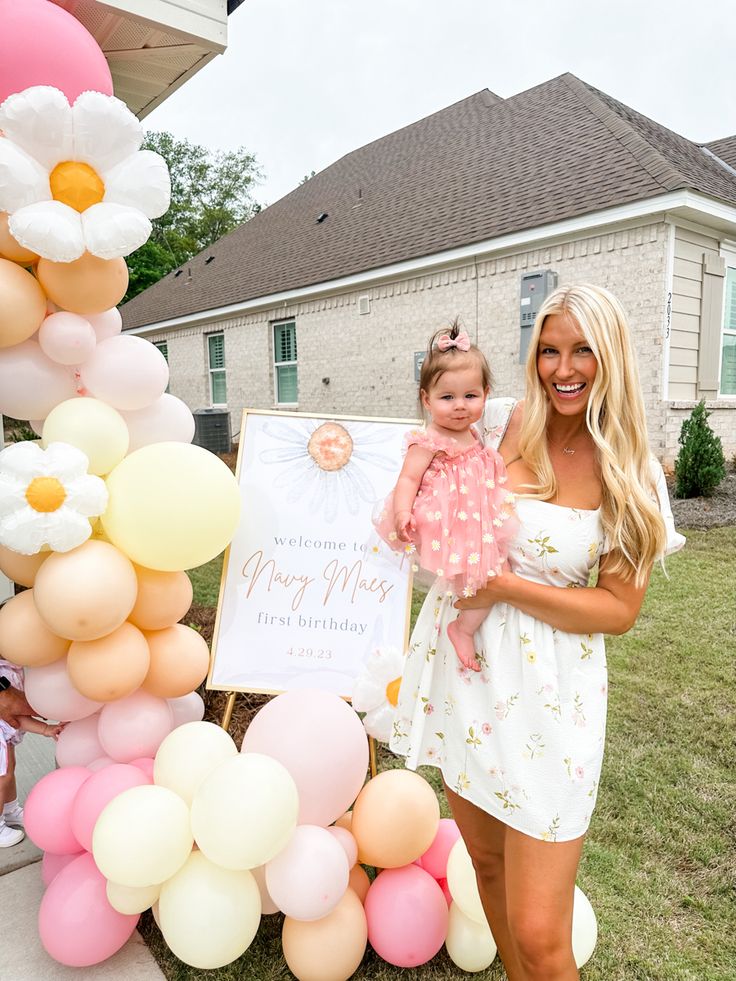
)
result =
(728, 349)
(284, 357)
(164, 349)
(216, 359)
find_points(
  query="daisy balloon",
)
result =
(74, 179)
(47, 497)
(376, 691)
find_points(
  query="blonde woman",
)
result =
(520, 743)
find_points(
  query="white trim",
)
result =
(669, 289)
(728, 254)
(211, 371)
(692, 203)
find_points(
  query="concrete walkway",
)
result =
(23, 958)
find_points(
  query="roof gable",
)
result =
(481, 168)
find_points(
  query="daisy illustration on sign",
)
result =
(47, 497)
(73, 178)
(325, 460)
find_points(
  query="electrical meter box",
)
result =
(535, 288)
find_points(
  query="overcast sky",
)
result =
(305, 81)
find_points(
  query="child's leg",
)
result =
(8, 795)
(8, 790)
(461, 633)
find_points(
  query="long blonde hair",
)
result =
(616, 420)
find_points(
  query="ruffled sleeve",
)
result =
(675, 540)
(432, 442)
(496, 416)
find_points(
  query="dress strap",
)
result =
(496, 418)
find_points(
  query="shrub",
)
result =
(700, 465)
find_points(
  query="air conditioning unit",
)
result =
(212, 430)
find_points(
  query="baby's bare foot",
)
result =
(464, 647)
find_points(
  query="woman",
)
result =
(520, 743)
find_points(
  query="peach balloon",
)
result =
(88, 285)
(163, 598)
(21, 568)
(86, 593)
(345, 821)
(24, 637)
(9, 248)
(395, 819)
(22, 304)
(359, 882)
(180, 660)
(329, 949)
(110, 667)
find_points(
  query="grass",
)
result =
(658, 865)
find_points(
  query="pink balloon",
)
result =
(48, 810)
(52, 864)
(407, 916)
(41, 44)
(53, 696)
(442, 883)
(349, 844)
(100, 763)
(309, 877)
(126, 372)
(78, 744)
(321, 741)
(30, 383)
(166, 419)
(77, 924)
(434, 860)
(97, 793)
(134, 726)
(145, 765)
(106, 324)
(67, 338)
(186, 708)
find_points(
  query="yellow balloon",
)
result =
(462, 883)
(329, 949)
(245, 811)
(470, 944)
(93, 427)
(131, 900)
(142, 837)
(209, 915)
(189, 754)
(172, 506)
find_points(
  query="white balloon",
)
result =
(584, 928)
(109, 323)
(126, 372)
(30, 383)
(67, 338)
(470, 944)
(168, 419)
(462, 883)
(186, 708)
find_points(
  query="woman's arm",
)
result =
(416, 461)
(609, 607)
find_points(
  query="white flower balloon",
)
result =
(376, 691)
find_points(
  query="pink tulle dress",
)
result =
(464, 515)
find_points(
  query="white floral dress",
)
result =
(523, 738)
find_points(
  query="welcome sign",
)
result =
(308, 590)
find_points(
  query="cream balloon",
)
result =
(21, 568)
(462, 883)
(167, 419)
(330, 949)
(110, 667)
(163, 598)
(189, 754)
(24, 637)
(129, 899)
(209, 915)
(245, 812)
(180, 660)
(93, 427)
(172, 506)
(86, 593)
(584, 928)
(470, 944)
(142, 837)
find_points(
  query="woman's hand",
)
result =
(498, 589)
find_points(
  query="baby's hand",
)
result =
(406, 526)
(54, 731)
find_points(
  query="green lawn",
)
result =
(659, 865)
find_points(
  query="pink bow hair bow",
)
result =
(461, 342)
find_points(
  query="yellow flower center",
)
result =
(45, 494)
(76, 184)
(392, 691)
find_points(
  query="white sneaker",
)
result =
(10, 836)
(13, 816)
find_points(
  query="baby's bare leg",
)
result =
(462, 635)
(8, 790)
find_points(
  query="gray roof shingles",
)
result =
(481, 168)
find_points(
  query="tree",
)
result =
(211, 193)
(700, 465)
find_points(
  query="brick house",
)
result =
(322, 301)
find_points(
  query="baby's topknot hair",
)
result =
(437, 362)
